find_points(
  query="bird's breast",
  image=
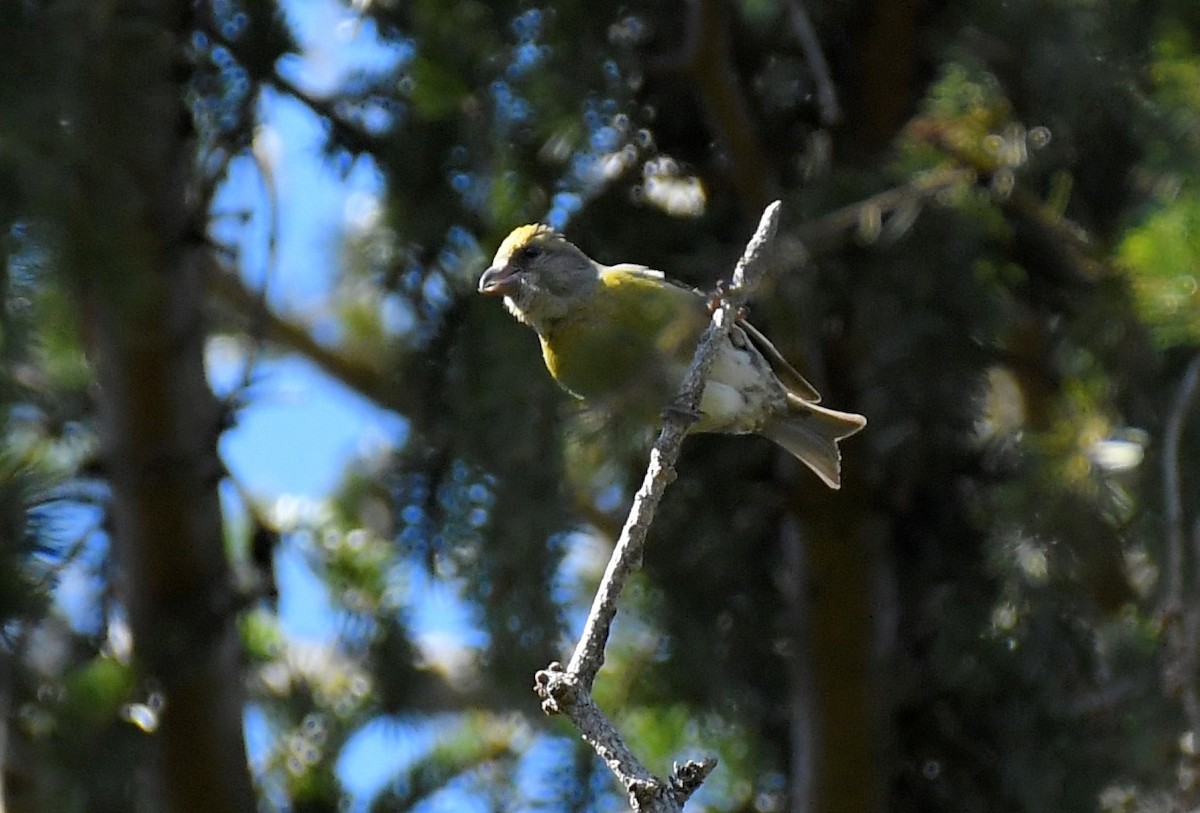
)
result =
(593, 363)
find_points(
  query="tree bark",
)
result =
(132, 252)
(842, 626)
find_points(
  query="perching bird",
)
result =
(624, 334)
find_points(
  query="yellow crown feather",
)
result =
(522, 236)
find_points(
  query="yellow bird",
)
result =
(624, 334)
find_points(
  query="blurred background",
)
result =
(327, 584)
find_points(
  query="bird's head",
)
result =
(540, 275)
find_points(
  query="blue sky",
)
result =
(300, 430)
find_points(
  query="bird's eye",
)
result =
(532, 252)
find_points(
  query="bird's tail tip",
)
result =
(811, 433)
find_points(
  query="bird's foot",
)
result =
(719, 293)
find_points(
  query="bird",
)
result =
(625, 334)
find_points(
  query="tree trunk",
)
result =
(841, 721)
(133, 253)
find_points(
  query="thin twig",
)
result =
(827, 101)
(704, 57)
(829, 231)
(379, 381)
(257, 328)
(347, 132)
(568, 691)
(1182, 617)
(563, 693)
(793, 580)
(1176, 420)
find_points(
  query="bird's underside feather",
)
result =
(792, 381)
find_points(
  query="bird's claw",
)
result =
(719, 295)
(720, 291)
(679, 410)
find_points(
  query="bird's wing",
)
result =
(636, 270)
(689, 327)
(672, 313)
(792, 381)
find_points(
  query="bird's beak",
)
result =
(499, 281)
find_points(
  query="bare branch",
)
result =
(831, 112)
(687, 778)
(562, 693)
(347, 132)
(829, 231)
(705, 58)
(379, 383)
(1182, 616)
(568, 691)
(794, 583)
(1176, 420)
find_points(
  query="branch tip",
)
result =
(687, 778)
(557, 688)
(750, 267)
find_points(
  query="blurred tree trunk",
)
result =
(132, 227)
(842, 722)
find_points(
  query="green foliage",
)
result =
(1162, 256)
(1161, 253)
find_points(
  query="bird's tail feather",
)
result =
(811, 432)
